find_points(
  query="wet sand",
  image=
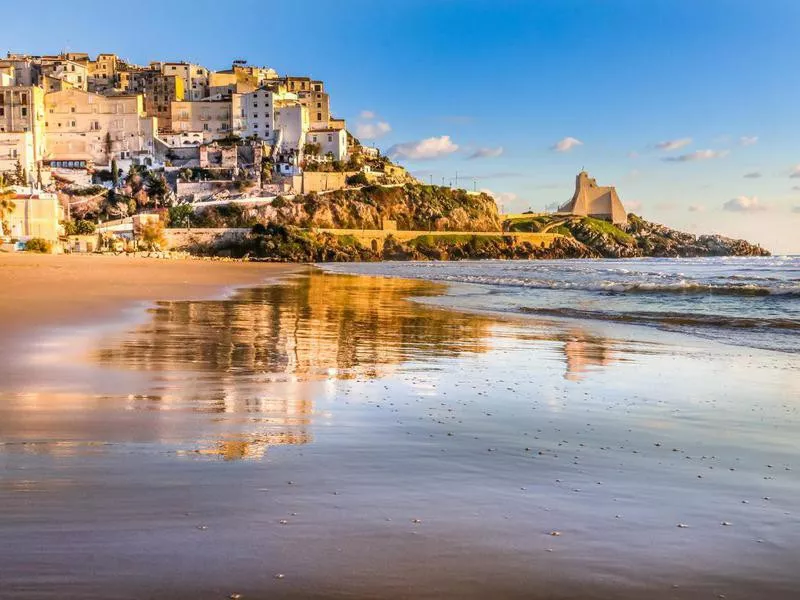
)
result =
(326, 437)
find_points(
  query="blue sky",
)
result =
(689, 107)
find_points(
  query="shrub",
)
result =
(358, 179)
(179, 215)
(151, 235)
(38, 245)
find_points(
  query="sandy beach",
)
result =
(41, 289)
(324, 436)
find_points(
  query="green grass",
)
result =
(608, 229)
(455, 238)
(531, 224)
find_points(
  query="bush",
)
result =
(38, 245)
(79, 227)
(151, 236)
(179, 215)
(358, 179)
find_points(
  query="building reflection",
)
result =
(232, 378)
(221, 357)
(584, 353)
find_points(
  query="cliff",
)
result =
(415, 207)
(280, 231)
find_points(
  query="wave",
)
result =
(669, 319)
(681, 286)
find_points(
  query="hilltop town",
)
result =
(99, 154)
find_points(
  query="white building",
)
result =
(291, 126)
(331, 142)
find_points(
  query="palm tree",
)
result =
(6, 204)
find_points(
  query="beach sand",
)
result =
(325, 437)
(40, 290)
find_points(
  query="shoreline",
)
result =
(70, 290)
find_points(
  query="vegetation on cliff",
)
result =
(417, 207)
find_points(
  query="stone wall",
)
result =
(178, 239)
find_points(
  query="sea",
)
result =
(745, 301)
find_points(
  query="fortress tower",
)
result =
(591, 200)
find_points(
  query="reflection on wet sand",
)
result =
(250, 362)
(357, 326)
(220, 357)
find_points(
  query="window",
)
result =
(319, 104)
(314, 138)
(24, 111)
(330, 138)
(72, 109)
(205, 126)
(2, 111)
(72, 123)
(23, 98)
(255, 115)
(255, 126)
(319, 116)
(317, 87)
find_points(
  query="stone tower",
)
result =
(591, 200)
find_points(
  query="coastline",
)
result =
(42, 291)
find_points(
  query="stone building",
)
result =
(82, 126)
(592, 200)
(22, 130)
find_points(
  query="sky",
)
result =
(691, 108)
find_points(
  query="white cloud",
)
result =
(486, 153)
(434, 147)
(633, 154)
(367, 115)
(744, 204)
(752, 175)
(501, 198)
(697, 155)
(372, 131)
(670, 145)
(633, 205)
(795, 174)
(697, 208)
(567, 144)
(746, 140)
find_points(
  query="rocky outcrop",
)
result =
(661, 241)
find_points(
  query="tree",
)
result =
(109, 144)
(180, 215)
(114, 172)
(19, 174)
(157, 187)
(151, 235)
(6, 205)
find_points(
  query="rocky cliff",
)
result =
(637, 238)
(416, 207)
(281, 230)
